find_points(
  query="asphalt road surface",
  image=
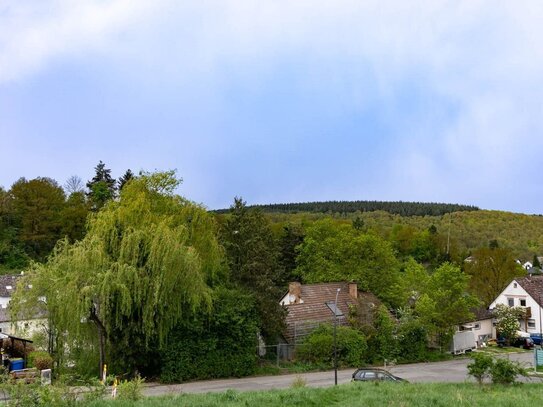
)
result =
(449, 371)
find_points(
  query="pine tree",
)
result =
(128, 175)
(101, 187)
(253, 261)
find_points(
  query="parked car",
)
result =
(536, 338)
(371, 375)
(520, 342)
(526, 343)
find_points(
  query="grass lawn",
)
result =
(358, 394)
(497, 350)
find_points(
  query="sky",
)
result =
(278, 100)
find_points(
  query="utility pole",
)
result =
(335, 339)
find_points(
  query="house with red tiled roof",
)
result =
(309, 305)
(526, 292)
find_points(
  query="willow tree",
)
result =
(147, 261)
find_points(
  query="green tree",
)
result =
(127, 176)
(382, 344)
(337, 252)
(252, 258)
(74, 216)
(101, 187)
(411, 284)
(491, 270)
(536, 262)
(142, 267)
(446, 302)
(12, 254)
(480, 367)
(37, 207)
(291, 237)
(358, 223)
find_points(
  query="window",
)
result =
(531, 323)
(522, 303)
(515, 285)
(511, 302)
(477, 325)
(369, 376)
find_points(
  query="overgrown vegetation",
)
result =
(158, 285)
(367, 394)
(500, 370)
(318, 347)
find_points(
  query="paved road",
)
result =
(448, 371)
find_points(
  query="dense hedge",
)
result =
(221, 344)
(318, 347)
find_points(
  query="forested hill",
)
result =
(396, 208)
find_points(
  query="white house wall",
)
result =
(516, 293)
(24, 329)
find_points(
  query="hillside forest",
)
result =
(160, 285)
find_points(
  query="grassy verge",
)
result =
(504, 349)
(366, 394)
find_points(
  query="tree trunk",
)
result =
(102, 338)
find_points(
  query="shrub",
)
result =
(40, 360)
(130, 389)
(412, 341)
(35, 395)
(480, 366)
(382, 342)
(222, 344)
(298, 382)
(318, 347)
(504, 371)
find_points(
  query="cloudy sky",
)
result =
(280, 100)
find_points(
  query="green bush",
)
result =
(40, 360)
(222, 344)
(382, 342)
(318, 347)
(412, 342)
(35, 395)
(501, 371)
(504, 371)
(130, 389)
(480, 367)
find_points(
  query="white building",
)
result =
(23, 327)
(526, 292)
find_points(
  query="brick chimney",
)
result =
(295, 292)
(353, 290)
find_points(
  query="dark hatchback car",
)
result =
(526, 343)
(373, 375)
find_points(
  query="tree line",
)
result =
(344, 207)
(36, 213)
